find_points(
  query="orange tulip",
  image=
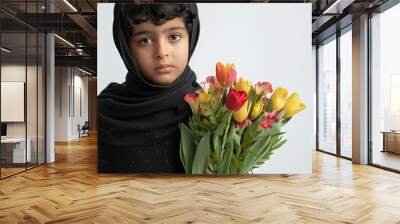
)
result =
(225, 75)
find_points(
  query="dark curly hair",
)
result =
(157, 13)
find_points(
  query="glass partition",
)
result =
(22, 78)
(13, 108)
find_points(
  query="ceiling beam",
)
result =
(84, 24)
(82, 61)
(337, 7)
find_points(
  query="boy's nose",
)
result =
(162, 50)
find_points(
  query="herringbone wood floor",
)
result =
(71, 191)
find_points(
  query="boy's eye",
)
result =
(144, 41)
(175, 37)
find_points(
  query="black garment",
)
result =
(138, 121)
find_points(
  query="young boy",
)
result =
(138, 120)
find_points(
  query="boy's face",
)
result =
(161, 51)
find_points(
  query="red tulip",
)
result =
(225, 75)
(235, 99)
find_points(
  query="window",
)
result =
(327, 96)
(346, 93)
(385, 88)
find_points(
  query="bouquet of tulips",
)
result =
(235, 126)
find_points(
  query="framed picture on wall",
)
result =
(148, 67)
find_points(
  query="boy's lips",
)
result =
(164, 68)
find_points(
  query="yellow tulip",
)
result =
(203, 97)
(243, 85)
(293, 105)
(279, 98)
(257, 109)
(241, 115)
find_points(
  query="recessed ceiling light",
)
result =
(64, 40)
(70, 5)
(5, 50)
(84, 71)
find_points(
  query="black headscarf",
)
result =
(138, 121)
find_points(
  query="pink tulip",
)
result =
(191, 99)
(265, 100)
(244, 124)
(211, 79)
(270, 119)
(263, 88)
(213, 86)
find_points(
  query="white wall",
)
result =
(67, 115)
(267, 42)
(61, 103)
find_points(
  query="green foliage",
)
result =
(212, 143)
(187, 148)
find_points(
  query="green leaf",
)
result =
(268, 107)
(213, 120)
(282, 113)
(236, 144)
(200, 162)
(278, 142)
(187, 147)
(234, 164)
(221, 127)
(207, 112)
(285, 120)
(226, 133)
(277, 146)
(250, 132)
(210, 165)
(218, 150)
(228, 150)
(227, 157)
(256, 149)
